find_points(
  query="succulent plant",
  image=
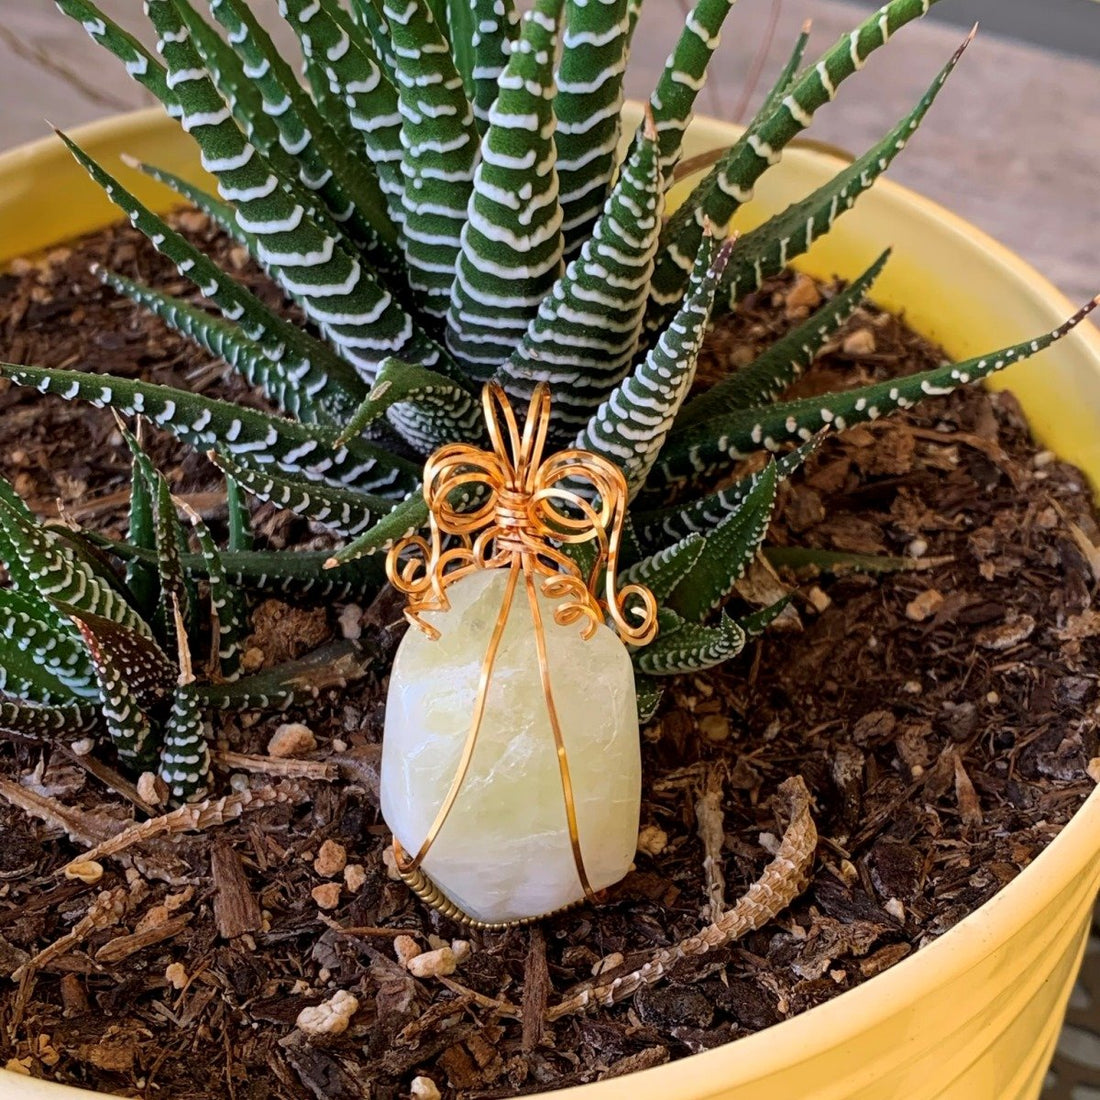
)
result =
(446, 202)
(87, 651)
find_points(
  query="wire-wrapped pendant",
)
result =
(511, 775)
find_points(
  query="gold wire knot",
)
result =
(521, 506)
(508, 508)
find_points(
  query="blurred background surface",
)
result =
(1013, 144)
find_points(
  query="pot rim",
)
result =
(958, 950)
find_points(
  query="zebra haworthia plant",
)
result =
(85, 651)
(445, 200)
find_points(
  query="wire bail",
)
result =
(507, 506)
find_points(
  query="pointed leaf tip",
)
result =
(965, 42)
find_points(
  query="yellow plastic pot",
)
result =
(975, 1015)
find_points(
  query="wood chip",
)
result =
(122, 947)
(536, 989)
(236, 910)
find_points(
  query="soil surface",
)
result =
(943, 716)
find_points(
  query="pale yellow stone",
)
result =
(86, 870)
(652, 840)
(405, 948)
(504, 851)
(355, 877)
(176, 975)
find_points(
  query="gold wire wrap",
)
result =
(428, 892)
(522, 507)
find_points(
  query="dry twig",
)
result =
(122, 947)
(109, 777)
(78, 826)
(710, 824)
(497, 1007)
(194, 817)
(536, 988)
(782, 881)
(278, 766)
(107, 909)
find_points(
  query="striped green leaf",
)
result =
(68, 721)
(649, 693)
(140, 63)
(59, 576)
(703, 514)
(631, 426)
(290, 574)
(345, 512)
(663, 571)
(783, 362)
(126, 721)
(426, 408)
(683, 646)
(709, 445)
(493, 29)
(759, 621)
(584, 336)
(588, 106)
(727, 552)
(730, 185)
(310, 370)
(409, 516)
(348, 186)
(185, 754)
(767, 249)
(440, 145)
(252, 438)
(511, 243)
(357, 88)
(38, 660)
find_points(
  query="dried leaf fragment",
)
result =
(970, 809)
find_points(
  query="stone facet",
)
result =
(504, 852)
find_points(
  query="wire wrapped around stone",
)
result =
(521, 507)
(430, 894)
(507, 508)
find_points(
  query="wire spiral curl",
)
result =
(524, 510)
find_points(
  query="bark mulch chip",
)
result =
(943, 717)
